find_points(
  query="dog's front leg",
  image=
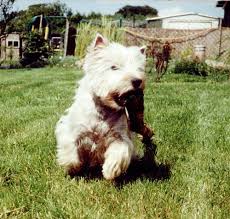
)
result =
(117, 159)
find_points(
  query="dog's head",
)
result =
(114, 71)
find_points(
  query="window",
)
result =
(15, 43)
(10, 43)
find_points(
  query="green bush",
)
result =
(191, 67)
(36, 51)
(196, 68)
(219, 74)
(54, 60)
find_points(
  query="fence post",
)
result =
(5, 46)
(66, 37)
(120, 22)
(134, 20)
(221, 33)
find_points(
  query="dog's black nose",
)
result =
(136, 83)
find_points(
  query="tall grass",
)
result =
(88, 31)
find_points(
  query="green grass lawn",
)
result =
(192, 126)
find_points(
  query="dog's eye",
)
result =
(114, 67)
(141, 69)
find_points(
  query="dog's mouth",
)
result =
(126, 97)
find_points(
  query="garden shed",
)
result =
(10, 46)
(189, 21)
(226, 6)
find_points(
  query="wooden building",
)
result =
(226, 6)
(10, 46)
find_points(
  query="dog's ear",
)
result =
(143, 50)
(100, 41)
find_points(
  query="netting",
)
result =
(215, 41)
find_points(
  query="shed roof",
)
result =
(221, 3)
(7, 34)
(179, 15)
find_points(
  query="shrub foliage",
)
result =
(197, 68)
(36, 51)
(191, 67)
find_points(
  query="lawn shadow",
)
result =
(142, 168)
(145, 167)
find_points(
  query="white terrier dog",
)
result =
(95, 129)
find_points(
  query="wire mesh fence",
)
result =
(215, 41)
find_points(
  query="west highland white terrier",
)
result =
(95, 129)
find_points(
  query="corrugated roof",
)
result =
(178, 15)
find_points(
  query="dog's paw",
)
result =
(73, 169)
(115, 166)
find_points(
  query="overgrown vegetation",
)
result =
(36, 51)
(21, 19)
(194, 67)
(8, 64)
(18, 21)
(191, 67)
(87, 32)
(191, 122)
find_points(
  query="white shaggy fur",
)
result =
(109, 68)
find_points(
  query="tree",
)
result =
(21, 21)
(52, 9)
(76, 18)
(94, 15)
(5, 8)
(129, 11)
